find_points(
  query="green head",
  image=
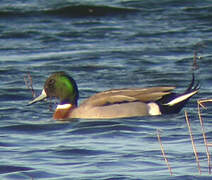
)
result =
(61, 86)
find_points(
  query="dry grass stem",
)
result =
(192, 141)
(50, 104)
(201, 101)
(205, 139)
(163, 153)
(26, 82)
(195, 65)
(29, 84)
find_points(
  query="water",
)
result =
(102, 45)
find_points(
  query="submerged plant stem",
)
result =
(192, 142)
(163, 153)
(205, 139)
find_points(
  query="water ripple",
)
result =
(103, 45)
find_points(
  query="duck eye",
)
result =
(51, 83)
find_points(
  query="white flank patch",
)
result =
(63, 106)
(154, 109)
(180, 99)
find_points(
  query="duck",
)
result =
(113, 103)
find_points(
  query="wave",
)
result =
(10, 169)
(86, 10)
(70, 11)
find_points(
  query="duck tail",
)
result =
(173, 102)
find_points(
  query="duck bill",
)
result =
(42, 96)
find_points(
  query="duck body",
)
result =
(111, 111)
(115, 103)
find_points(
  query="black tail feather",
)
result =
(191, 84)
(167, 107)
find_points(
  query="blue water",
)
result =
(102, 45)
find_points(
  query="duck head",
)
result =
(61, 86)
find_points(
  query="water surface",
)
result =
(102, 45)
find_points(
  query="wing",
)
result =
(127, 95)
